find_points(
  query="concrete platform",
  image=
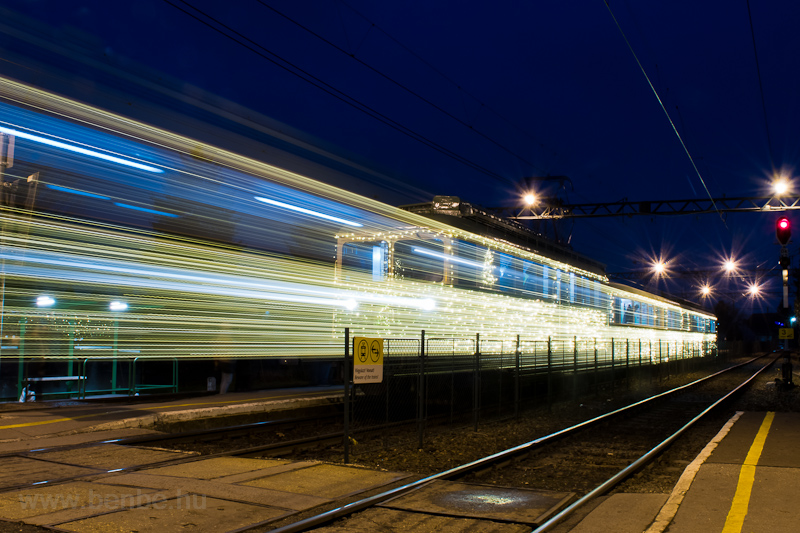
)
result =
(216, 494)
(62, 421)
(746, 479)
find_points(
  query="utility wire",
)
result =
(661, 103)
(760, 87)
(398, 84)
(336, 93)
(447, 78)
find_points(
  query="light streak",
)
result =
(439, 255)
(146, 210)
(76, 191)
(306, 211)
(191, 300)
(78, 149)
(154, 277)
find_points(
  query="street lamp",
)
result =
(753, 289)
(729, 265)
(781, 186)
(529, 199)
(705, 290)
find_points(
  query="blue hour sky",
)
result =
(470, 98)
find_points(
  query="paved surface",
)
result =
(60, 420)
(109, 487)
(747, 479)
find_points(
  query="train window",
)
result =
(370, 257)
(509, 273)
(572, 287)
(472, 266)
(357, 256)
(532, 280)
(420, 260)
(550, 282)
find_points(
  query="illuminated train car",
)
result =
(125, 247)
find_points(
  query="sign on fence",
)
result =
(368, 360)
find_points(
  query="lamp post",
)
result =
(116, 307)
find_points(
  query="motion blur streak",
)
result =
(77, 149)
(206, 267)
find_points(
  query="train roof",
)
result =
(465, 216)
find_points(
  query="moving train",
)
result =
(124, 244)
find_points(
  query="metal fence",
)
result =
(433, 380)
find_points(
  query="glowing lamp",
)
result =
(783, 230)
(45, 301)
(730, 265)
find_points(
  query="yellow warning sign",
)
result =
(367, 360)
(786, 333)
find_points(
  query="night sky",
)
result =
(471, 98)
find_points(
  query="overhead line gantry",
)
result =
(555, 209)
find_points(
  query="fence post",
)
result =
(596, 389)
(421, 390)
(613, 372)
(346, 369)
(477, 380)
(549, 372)
(453, 380)
(575, 368)
(627, 364)
(500, 379)
(516, 381)
(668, 374)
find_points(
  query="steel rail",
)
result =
(360, 505)
(640, 462)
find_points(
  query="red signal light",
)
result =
(783, 230)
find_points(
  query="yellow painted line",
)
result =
(747, 475)
(55, 420)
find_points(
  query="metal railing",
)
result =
(467, 379)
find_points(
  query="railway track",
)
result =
(600, 453)
(593, 448)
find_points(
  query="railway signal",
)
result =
(783, 230)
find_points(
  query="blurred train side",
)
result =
(124, 242)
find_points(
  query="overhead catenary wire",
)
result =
(293, 69)
(401, 85)
(454, 83)
(669, 118)
(760, 87)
